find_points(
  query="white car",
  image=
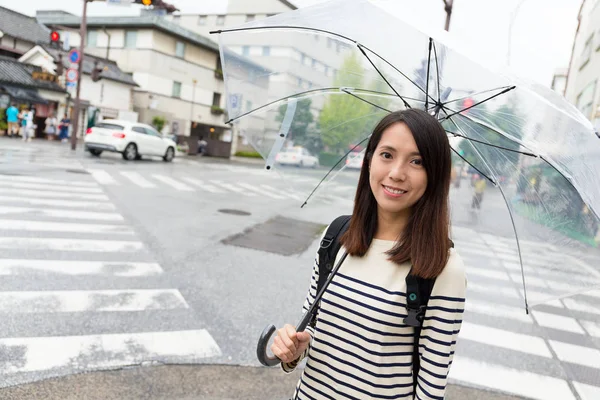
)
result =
(133, 140)
(298, 156)
(354, 160)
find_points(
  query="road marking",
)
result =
(51, 187)
(101, 206)
(587, 392)
(106, 351)
(509, 380)
(283, 192)
(49, 181)
(138, 179)
(505, 339)
(577, 305)
(102, 177)
(262, 192)
(45, 226)
(558, 322)
(49, 194)
(488, 273)
(173, 183)
(576, 354)
(108, 268)
(202, 185)
(498, 310)
(592, 328)
(97, 246)
(24, 302)
(233, 188)
(60, 213)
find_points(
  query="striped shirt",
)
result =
(361, 348)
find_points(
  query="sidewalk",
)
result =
(178, 382)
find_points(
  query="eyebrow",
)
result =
(414, 153)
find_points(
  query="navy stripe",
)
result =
(436, 364)
(437, 353)
(446, 298)
(351, 311)
(446, 321)
(445, 309)
(366, 328)
(372, 352)
(393, 303)
(443, 332)
(320, 382)
(436, 341)
(357, 389)
(370, 285)
(316, 390)
(378, 364)
(354, 365)
(431, 384)
(429, 395)
(439, 376)
(364, 338)
(367, 306)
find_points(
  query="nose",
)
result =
(398, 172)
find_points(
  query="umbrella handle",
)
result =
(261, 348)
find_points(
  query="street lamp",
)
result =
(192, 105)
(513, 16)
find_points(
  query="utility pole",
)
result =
(448, 8)
(77, 104)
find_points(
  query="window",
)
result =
(176, 89)
(201, 19)
(585, 100)
(299, 82)
(216, 99)
(138, 129)
(266, 51)
(326, 70)
(176, 18)
(250, 17)
(302, 58)
(270, 15)
(179, 49)
(152, 132)
(220, 20)
(109, 126)
(329, 43)
(314, 63)
(130, 39)
(246, 50)
(248, 105)
(587, 51)
(92, 38)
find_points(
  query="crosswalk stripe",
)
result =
(51, 187)
(577, 305)
(99, 246)
(283, 192)
(102, 177)
(202, 185)
(505, 339)
(49, 194)
(46, 226)
(49, 301)
(101, 206)
(575, 354)
(262, 192)
(138, 179)
(60, 213)
(233, 188)
(49, 181)
(509, 380)
(498, 310)
(108, 268)
(557, 322)
(587, 392)
(109, 350)
(173, 183)
(592, 328)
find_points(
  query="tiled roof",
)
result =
(14, 72)
(23, 27)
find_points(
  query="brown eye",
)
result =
(417, 161)
(385, 154)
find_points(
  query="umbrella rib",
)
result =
(332, 168)
(475, 94)
(427, 80)
(437, 67)
(360, 47)
(489, 144)
(366, 101)
(474, 167)
(508, 89)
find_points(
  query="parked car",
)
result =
(133, 140)
(354, 160)
(298, 156)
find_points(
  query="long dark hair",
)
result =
(424, 241)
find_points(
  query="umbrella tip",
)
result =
(213, 32)
(268, 167)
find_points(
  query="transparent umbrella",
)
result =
(305, 89)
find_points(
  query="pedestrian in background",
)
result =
(51, 126)
(12, 119)
(65, 122)
(480, 185)
(360, 347)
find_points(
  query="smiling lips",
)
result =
(395, 192)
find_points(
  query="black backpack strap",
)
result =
(328, 249)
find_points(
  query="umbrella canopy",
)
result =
(307, 87)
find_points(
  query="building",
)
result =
(110, 97)
(584, 69)
(559, 80)
(178, 72)
(19, 33)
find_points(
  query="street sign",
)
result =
(72, 75)
(74, 56)
(119, 2)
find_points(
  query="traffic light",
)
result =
(96, 72)
(157, 5)
(55, 39)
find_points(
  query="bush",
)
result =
(328, 159)
(250, 154)
(159, 122)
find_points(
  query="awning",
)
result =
(25, 95)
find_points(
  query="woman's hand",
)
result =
(289, 344)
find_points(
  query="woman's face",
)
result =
(397, 176)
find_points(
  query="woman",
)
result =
(64, 128)
(360, 347)
(51, 123)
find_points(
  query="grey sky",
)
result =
(542, 32)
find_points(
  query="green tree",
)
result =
(302, 130)
(158, 122)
